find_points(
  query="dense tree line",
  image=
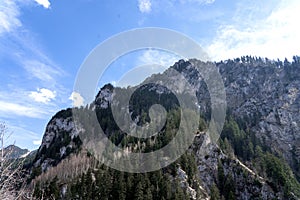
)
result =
(101, 182)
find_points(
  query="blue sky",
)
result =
(44, 42)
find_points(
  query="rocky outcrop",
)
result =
(104, 96)
(182, 176)
(59, 140)
(213, 164)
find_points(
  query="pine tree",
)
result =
(139, 194)
(214, 192)
(179, 194)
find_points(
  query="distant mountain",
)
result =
(14, 152)
(257, 156)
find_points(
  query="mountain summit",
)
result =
(14, 152)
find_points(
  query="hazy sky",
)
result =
(43, 43)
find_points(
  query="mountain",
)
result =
(256, 157)
(14, 152)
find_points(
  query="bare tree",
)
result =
(12, 181)
(3, 130)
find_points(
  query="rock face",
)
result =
(60, 139)
(213, 163)
(264, 94)
(269, 95)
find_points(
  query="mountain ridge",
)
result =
(267, 118)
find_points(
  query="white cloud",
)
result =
(8, 109)
(44, 3)
(43, 95)
(144, 6)
(77, 99)
(273, 36)
(17, 103)
(9, 16)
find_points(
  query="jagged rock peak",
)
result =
(104, 96)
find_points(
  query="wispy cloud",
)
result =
(7, 109)
(273, 36)
(19, 43)
(186, 10)
(40, 70)
(44, 3)
(197, 1)
(144, 6)
(20, 46)
(149, 62)
(9, 16)
(159, 57)
(20, 103)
